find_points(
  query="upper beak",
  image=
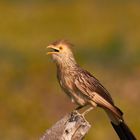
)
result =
(54, 49)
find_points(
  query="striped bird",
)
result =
(84, 89)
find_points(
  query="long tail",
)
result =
(119, 125)
(123, 131)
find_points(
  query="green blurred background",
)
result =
(106, 35)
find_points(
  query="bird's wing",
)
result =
(90, 83)
(94, 91)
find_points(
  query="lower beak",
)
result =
(49, 53)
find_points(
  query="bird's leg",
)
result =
(79, 107)
(88, 110)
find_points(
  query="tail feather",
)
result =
(119, 125)
(123, 131)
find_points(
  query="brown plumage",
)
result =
(83, 88)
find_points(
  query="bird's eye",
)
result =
(60, 48)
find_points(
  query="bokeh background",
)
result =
(106, 35)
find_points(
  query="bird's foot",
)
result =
(74, 115)
(84, 113)
(75, 111)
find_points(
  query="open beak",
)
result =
(54, 49)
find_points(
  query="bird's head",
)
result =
(60, 51)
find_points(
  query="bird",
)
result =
(84, 89)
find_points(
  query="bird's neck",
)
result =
(69, 64)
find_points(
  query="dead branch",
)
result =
(73, 126)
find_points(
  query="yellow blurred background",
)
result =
(106, 35)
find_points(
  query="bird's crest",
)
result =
(62, 41)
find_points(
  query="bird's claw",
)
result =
(74, 115)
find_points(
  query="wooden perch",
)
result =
(73, 126)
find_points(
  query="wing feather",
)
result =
(94, 91)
